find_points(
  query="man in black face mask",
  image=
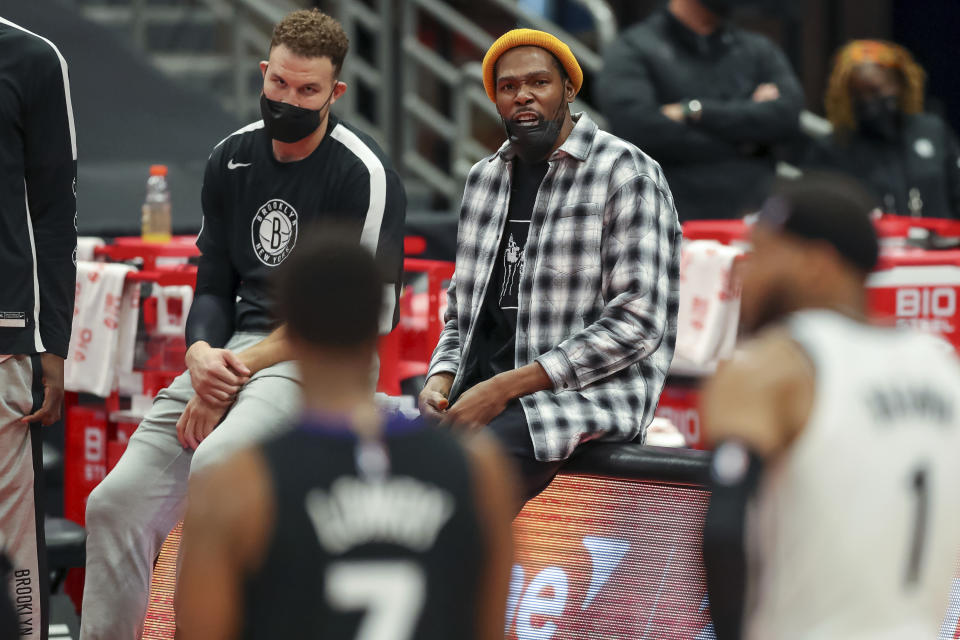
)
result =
(561, 324)
(908, 158)
(709, 101)
(298, 166)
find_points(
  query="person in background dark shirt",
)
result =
(707, 100)
(908, 158)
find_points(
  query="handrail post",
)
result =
(389, 101)
(239, 63)
(407, 82)
(345, 18)
(604, 20)
(138, 24)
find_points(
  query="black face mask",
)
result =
(533, 142)
(289, 123)
(878, 117)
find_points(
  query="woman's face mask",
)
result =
(878, 116)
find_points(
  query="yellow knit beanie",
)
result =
(529, 38)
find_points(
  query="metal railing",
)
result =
(390, 74)
(251, 23)
(604, 19)
(374, 73)
(422, 68)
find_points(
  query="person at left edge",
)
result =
(38, 240)
(263, 186)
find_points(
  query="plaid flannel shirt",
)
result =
(598, 294)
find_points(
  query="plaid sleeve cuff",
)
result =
(559, 370)
(444, 366)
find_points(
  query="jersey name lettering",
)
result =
(911, 403)
(401, 511)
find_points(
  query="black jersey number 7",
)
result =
(919, 486)
(391, 594)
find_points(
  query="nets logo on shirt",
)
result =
(274, 232)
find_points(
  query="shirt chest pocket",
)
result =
(571, 240)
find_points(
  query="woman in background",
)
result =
(908, 158)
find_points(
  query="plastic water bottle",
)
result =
(156, 225)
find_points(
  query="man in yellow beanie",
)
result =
(561, 323)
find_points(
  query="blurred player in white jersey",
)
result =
(836, 482)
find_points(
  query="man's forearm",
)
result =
(210, 320)
(446, 355)
(671, 141)
(724, 554)
(53, 208)
(440, 381)
(50, 171)
(747, 121)
(268, 352)
(528, 379)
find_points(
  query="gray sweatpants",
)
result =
(21, 495)
(133, 509)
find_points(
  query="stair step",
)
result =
(193, 64)
(184, 38)
(127, 3)
(215, 79)
(220, 84)
(108, 14)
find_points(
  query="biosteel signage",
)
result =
(923, 298)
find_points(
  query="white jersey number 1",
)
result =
(919, 486)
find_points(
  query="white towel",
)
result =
(85, 247)
(404, 405)
(173, 306)
(709, 303)
(103, 312)
(127, 331)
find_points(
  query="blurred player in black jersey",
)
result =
(356, 524)
(263, 185)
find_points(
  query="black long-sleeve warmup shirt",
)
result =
(38, 206)
(256, 208)
(720, 166)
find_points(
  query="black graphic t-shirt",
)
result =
(498, 321)
(255, 209)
